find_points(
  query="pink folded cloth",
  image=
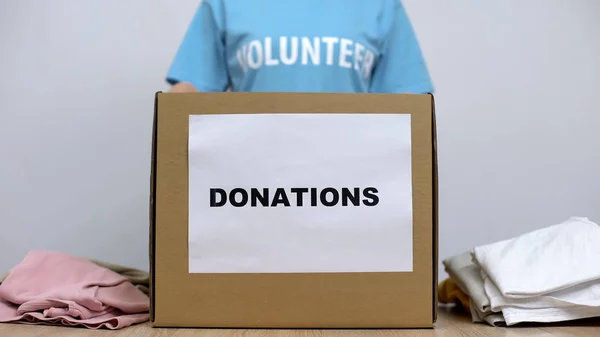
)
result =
(55, 288)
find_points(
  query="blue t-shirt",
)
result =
(301, 46)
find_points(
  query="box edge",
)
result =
(152, 209)
(435, 224)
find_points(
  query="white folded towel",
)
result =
(543, 261)
(548, 275)
(514, 316)
(581, 301)
(586, 295)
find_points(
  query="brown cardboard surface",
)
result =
(314, 300)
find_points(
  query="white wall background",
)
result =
(515, 81)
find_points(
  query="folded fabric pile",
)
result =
(55, 288)
(548, 275)
(139, 278)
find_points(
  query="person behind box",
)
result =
(300, 46)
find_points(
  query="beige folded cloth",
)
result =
(467, 276)
(138, 278)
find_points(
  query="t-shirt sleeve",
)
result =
(200, 59)
(401, 67)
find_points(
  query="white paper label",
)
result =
(300, 193)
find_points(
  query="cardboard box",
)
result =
(248, 253)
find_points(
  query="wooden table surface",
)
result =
(450, 323)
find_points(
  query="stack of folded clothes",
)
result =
(54, 288)
(548, 275)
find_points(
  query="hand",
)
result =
(183, 87)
